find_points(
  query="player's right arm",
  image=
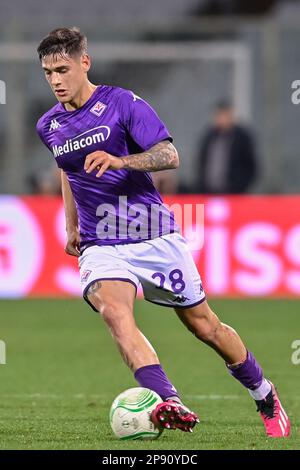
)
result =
(73, 239)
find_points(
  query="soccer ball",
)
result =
(130, 414)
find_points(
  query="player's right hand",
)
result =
(73, 243)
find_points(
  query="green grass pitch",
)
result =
(63, 371)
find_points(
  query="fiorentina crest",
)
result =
(85, 275)
(98, 108)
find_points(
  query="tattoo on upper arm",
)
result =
(94, 287)
(161, 156)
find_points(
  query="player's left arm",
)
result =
(162, 156)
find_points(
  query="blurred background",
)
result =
(184, 56)
(220, 74)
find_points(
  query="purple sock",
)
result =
(249, 373)
(154, 377)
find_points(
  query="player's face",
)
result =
(224, 119)
(66, 75)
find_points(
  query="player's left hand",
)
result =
(102, 161)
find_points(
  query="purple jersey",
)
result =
(122, 206)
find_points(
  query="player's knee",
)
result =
(207, 328)
(114, 315)
(109, 312)
(207, 333)
(108, 308)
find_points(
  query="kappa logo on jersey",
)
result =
(98, 108)
(54, 125)
(181, 299)
(135, 97)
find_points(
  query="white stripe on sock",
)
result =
(262, 391)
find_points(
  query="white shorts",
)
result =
(163, 266)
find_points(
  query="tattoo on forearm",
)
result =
(94, 287)
(161, 156)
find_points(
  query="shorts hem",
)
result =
(84, 294)
(177, 306)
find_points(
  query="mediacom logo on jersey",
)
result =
(79, 142)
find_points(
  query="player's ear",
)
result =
(85, 62)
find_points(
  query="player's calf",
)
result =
(206, 326)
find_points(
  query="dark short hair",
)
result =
(63, 41)
(223, 105)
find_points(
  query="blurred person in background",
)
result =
(46, 182)
(227, 161)
(166, 182)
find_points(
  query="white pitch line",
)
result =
(213, 397)
(81, 396)
(45, 395)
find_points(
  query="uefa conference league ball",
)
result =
(130, 414)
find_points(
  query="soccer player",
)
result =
(107, 141)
